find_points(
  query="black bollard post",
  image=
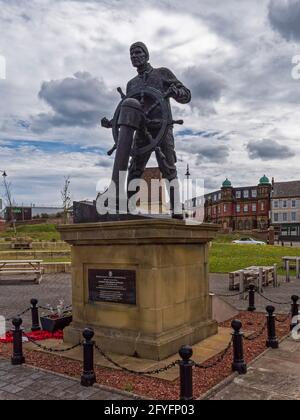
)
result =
(238, 364)
(17, 356)
(295, 311)
(88, 377)
(272, 341)
(35, 315)
(252, 290)
(186, 373)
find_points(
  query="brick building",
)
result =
(243, 208)
(18, 213)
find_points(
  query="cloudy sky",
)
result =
(65, 59)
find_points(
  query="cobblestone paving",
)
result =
(275, 376)
(219, 285)
(26, 383)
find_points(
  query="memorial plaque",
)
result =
(115, 286)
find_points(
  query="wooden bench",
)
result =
(22, 267)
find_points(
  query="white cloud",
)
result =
(241, 84)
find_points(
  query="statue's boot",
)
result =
(130, 119)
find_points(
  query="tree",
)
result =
(66, 198)
(7, 188)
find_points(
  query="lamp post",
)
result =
(8, 196)
(188, 175)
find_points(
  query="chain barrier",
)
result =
(218, 360)
(150, 372)
(282, 321)
(39, 307)
(18, 316)
(232, 295)
(50, 349)
(66, 308)
(259, 334)
(272, 301)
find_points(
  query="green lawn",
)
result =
(228, 257)
(42, 232)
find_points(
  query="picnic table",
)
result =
(287, 263)
(259, 276)
(22, 267)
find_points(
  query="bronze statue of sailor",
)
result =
(143, 124)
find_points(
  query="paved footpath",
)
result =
(275, 376)
(26, 383)
(219, 285)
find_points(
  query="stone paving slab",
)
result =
(27, 383)
(274, 376)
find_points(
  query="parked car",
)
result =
(248, 241)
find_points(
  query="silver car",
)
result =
(248, 241)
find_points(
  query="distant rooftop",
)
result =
(286, 189)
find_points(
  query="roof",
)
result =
(264, 180)
(226, 183)
(286, 189)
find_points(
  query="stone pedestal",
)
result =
(170, 305)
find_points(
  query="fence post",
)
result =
(17, 356)
(298, 268)
(238, 364)
(261, 279)
(287, 267)
(272, 341)
(186, 373)
(276, 284)
(35, 315)
(88, 377)
(252, 307)
(295, 311)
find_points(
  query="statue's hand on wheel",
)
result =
(106, 123)
(172, 92)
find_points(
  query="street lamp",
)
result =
(8, 196)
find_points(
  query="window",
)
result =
(262, 206)
(214, 210)
(294, 216)
(276, 217)
(284, 204)
(246, 194)
(284, 217)
(238, 194)
(219, 196)
(254, 193)
(293, 231)
(238, 208)
(254, 208)
(219, 209)
(246, 208)
(215, 197)
(294, 204)
(225, 208)
(276, 204)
